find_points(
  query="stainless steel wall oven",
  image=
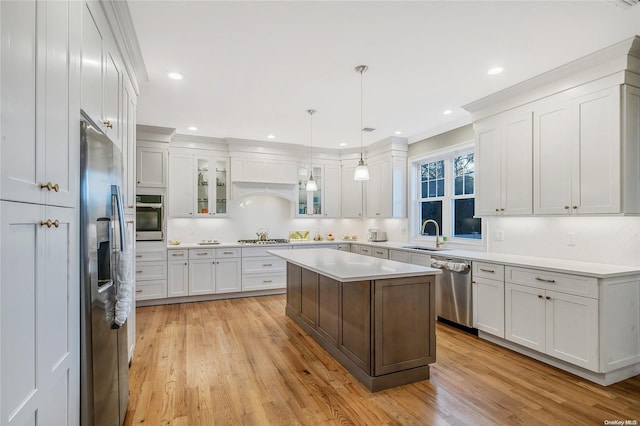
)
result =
(150, 218)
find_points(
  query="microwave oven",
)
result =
(150, 218)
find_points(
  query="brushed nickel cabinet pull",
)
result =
(544, 280)
(267, 281)
(228, 252)
(488, 270)
(202, 254)
(138, 255)
(267, 264)
(138, 291)
(177, 254)
(139, 272)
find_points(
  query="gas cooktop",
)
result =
(267, 241)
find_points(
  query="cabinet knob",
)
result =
(566, 207)
(50, 186)
(497, 210)
(501, 209)
(574, 207)
(548, 297)
(138, 291)
(49, 223)
(540, 296)
(108, 124)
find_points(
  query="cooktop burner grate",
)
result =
(268, 241)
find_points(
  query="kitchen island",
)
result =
(374, 316)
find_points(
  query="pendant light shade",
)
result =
(312, 186)
(362, 172)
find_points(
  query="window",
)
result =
(446, 194)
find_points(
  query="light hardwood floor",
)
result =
(242, 362)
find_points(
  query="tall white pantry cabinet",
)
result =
(41, 56)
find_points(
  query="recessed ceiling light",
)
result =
(271, 137)
(175, 76)
(193, 129)
(495, 70)
(397, 132)
(447, 112)
(342, 144)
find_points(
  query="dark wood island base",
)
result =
(381, 330)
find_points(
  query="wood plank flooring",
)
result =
(242, 362)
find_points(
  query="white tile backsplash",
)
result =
(277, 215)
(610, 239)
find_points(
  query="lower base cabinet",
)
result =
(203, 271)
(561, 325)
(488, 298)
(382, 331)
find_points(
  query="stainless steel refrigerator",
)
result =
(104, 380)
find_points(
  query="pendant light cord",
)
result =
(361, 113)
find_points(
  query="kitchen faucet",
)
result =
(424, 225)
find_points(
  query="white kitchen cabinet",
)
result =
(178, 273)
(352, 193)
(151, 273)
(129, 102)
(101, 74)
(488, 298)
(577, 146)
(382, 253)
(386, 187)
(181, 184)
(310, 203)
(333, 191)
(198, 184)
(151, 166)
(131, 251)
(39, 154)
(39, 314)
(259, 170)
(228, 275)
(504, 164)
(263, 271)
(202, 276)
(556, 314)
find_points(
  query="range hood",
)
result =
(249, 189)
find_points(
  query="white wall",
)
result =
(614, 240)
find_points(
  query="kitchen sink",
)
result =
(425, 248)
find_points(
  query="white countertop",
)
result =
(346, 267)
(597, 270)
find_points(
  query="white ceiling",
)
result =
(254, 68)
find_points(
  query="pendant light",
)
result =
(362, 172)
(311, 183)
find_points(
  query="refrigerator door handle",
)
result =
(115, 193)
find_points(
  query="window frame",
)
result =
(415, 197)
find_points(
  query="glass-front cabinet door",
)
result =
(211, 186)
(310, 203)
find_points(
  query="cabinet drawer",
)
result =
(382, 253)
(420, 259)
(556, 281)
(154, 289)
(492, 271)
(400, 256)
(201, 253)
(228, 252)
(366, 250)
(152, 255)
(263, 281)
(262, 265)
(178, 254)
(151, 271)
(261, 251)
(355, 248)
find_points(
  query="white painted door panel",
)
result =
(181, 185)
(488, 306)
(202, 276)
(525, 316)
(178, 278)
(517, 178)
(488, 169)
(228, 275)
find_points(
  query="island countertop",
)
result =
(348, 267)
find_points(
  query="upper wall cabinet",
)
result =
(586, 138)
(577, 155)
(151, 165)
(101, 74)
(259, 170)
(325, 202)
(39, 120)
(352, 193)
(387, 187)
(129, 100)
(198, 184)
(504, 164)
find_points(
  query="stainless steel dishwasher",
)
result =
(453, 290)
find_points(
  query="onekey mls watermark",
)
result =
(627, 422)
